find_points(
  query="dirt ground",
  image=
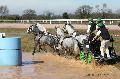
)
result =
(77, 26)
(48, 66)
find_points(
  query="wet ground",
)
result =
(48, 66)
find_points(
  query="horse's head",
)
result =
(33, 29)
(68, 28)
(71, 26)
(40, 27)
(56, 28)
(30, 29)
(59, 31)
(119, 24)
(86, 40)
(64, 28)
(36, 29)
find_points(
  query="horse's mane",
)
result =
(39, 26)
(71, 26)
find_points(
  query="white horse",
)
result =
(59, 32)
(49, 40)
(70, 29)
(69, 44)
(82, 38)
(36, 28)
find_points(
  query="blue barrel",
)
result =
(10, 51)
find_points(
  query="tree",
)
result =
(48, 15)
(104, 9)
(3, 11)
(97, 12)
(118, 13)
(14, 17)
(97, 8)
(65, 15)
(29, 14)
(103, 12)
(84, 11)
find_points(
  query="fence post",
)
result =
(50, 22)
(81, 21)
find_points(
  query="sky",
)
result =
(55, 6)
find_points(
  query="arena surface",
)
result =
(48, 66)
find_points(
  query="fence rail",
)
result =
(58, 21)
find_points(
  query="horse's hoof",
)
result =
(46, 51)
(32, 53)
(59, 54)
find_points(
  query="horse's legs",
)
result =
(39, 47)
(65, 51)
(45, 50)
(34, 51)
(77, 56)
(54, 48)
(57, 50)
(34, 45)
(69, 51)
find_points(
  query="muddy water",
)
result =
(48, 66)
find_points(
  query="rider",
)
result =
(104, 35)
(91, 26)
(91, 32)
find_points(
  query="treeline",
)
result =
(82, 12)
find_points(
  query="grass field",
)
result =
(28, 43)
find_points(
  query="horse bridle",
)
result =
(30, 29)
(64, 27)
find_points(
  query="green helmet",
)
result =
(99, 20)
(100, 25)
(90, 19)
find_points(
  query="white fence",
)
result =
(57, 21)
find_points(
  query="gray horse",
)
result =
(49, 40)
(69, 44)
(42, 38)
(69, 29)
(36, 28)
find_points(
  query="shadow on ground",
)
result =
(31, 62)
(117, 62)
